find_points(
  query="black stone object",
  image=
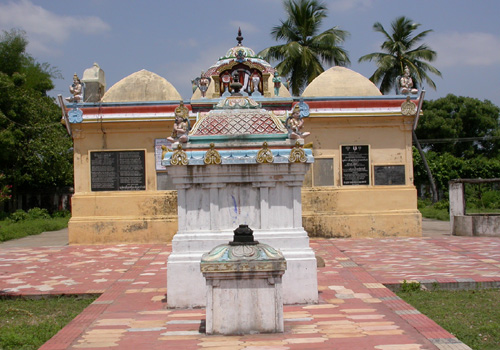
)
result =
(243, 235)
(236, 85)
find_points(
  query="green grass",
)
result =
(12, 230)
(482, 211)
(27, 324)
(473, 316)
(433, 213)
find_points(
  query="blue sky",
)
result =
(179, 39)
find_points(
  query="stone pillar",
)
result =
(457, 202)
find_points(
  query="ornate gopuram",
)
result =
(154, 167)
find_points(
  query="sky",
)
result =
(177, 39)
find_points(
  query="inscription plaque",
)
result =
(389, 174)
(355, 165)
(117, 171)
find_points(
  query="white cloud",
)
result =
(347, 5)
(471, 49)
(44, 28)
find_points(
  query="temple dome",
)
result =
(233, 52)
(142, 86)
(340, 81)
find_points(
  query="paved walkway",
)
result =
(356, 309)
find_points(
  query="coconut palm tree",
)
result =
(399, 50)
(306, 50)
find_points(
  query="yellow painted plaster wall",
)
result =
(366, 210)
(148, 216)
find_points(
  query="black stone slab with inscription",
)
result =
(389, 175)
(117, 171)
(355, 165)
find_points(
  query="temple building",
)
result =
(360, 184)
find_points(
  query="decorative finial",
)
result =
(239, 37)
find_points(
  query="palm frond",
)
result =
(399, 51)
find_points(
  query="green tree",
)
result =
(35, 150)
(399, 50)
(462, 126)
(305, 51)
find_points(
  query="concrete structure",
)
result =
(94, 80)
(463, 224)
(361, 184)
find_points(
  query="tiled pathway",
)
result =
(355, 311)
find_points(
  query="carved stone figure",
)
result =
(406, 83)
(226, 80)
(255, 82)
(277, 83)
(181, 125)
(202, 83)
(294, 123)
(76, 89)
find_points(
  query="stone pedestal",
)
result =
(214, 199)
(244, 303)
(244, 293)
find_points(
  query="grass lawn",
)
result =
(12, 230)
(27, 324)
(473, 316)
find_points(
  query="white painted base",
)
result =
(186, 285)
(248, 303)
(214, 200)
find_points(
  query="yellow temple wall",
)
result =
(146, 216)
(357, 211)
(332, 210)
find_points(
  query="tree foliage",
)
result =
(446, 167)
(462, 126)
(464, 140)
(305, 49)
(402, 48)
(35, 150)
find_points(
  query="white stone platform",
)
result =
(213, 200)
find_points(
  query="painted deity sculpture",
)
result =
(202, 83)
(294, 123)
(406, 83)
(255, 82)
(181, 125)
(76, 89)
(225, 80)
(277, 83)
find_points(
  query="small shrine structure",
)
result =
(239, 165)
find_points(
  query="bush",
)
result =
(32, 214)
(61, 214)
(422, 203)
(18, 215)
(443, 204)
(38, 213)
(491, 199)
